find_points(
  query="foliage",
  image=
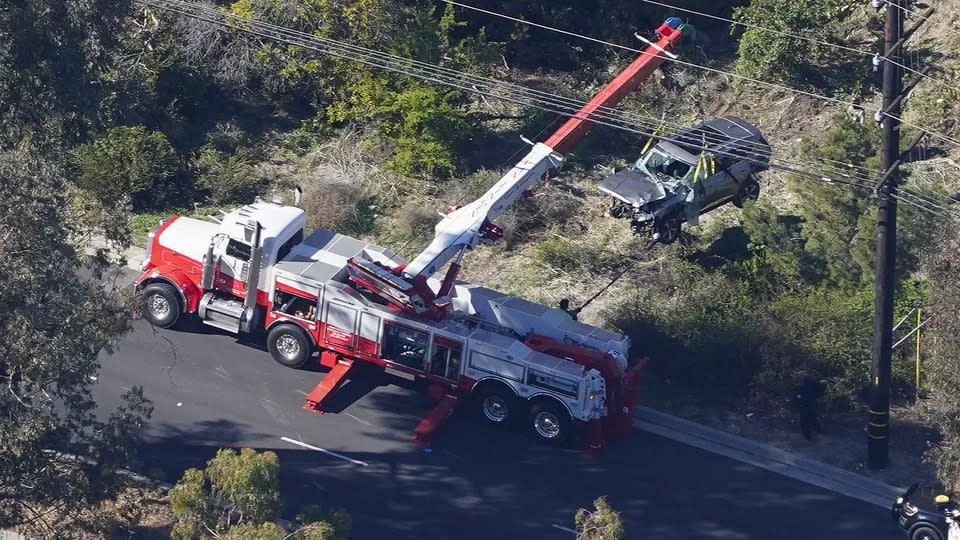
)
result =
(128, 161)
(237, 496)
(767, 55)
(229, 178)
(941, 374)
(602, 523)
(54, 323)
(50, 55)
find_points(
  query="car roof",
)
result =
(713, 134)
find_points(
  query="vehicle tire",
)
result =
(749, 191)
(668, 229)
(549, 422)
(925, 532)
(289, 345)
(161, 305)
(497, 405)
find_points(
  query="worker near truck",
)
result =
(564, 307)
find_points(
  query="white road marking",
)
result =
(555, 526)
(328, 452)
(302, 392)
(179, 404)
(358, 419)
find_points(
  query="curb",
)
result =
(767, 457)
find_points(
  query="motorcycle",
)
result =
(924, 525)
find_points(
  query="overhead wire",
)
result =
(920, 128)
(797, 36)
(553, 99)
(814, 95)
(348, 52)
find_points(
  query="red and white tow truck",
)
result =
(350, 301)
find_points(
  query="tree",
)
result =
(603, 523)
(54, 323)
(767, 55)
(238, 496)
(51, 55)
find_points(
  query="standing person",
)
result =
(807, 394)
(564, 307)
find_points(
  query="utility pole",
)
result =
(879, 423)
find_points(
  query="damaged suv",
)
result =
(688, 174)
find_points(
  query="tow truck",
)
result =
(346, 302)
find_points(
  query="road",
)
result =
(211, 390)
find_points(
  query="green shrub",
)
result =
(129, 161)
(229, 178)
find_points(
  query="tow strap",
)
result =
(618, 276)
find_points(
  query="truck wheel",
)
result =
(497, 405)
(161, 305)
(924, 532)
(549, 422)
(289, 345)
(749, 191)
(667, 229)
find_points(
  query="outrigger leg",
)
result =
(438, 416)
(341, 366)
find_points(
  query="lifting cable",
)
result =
(618, 276)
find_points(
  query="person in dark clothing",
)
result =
(807, 394)
(565, 307)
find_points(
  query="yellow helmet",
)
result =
(941, 499)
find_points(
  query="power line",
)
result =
(347, 51)
(552, 99)
(797, 36)
(941, 136)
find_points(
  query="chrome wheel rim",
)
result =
(158, 305)
(495, 408)
(288, 346)
(547, 425)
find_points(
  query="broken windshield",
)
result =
(662, 166)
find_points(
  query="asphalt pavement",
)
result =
(211, 390)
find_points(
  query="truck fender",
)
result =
(190, 294)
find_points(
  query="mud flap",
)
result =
(434, 420)
(328, 385)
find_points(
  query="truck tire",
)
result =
(667, 229)
(549, 421)
(925, 532)
(161, 305)
(749, 191)
(289, 345)
(496, 405)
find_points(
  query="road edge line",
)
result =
(325, 451)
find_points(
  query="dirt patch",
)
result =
(140, 513)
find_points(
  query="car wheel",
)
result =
(549, 422)
(161, 305)
(749, 191)
(925, 532)
(497, 405)
(668, 229)
(289, 345)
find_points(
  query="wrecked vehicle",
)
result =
(688, 174)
